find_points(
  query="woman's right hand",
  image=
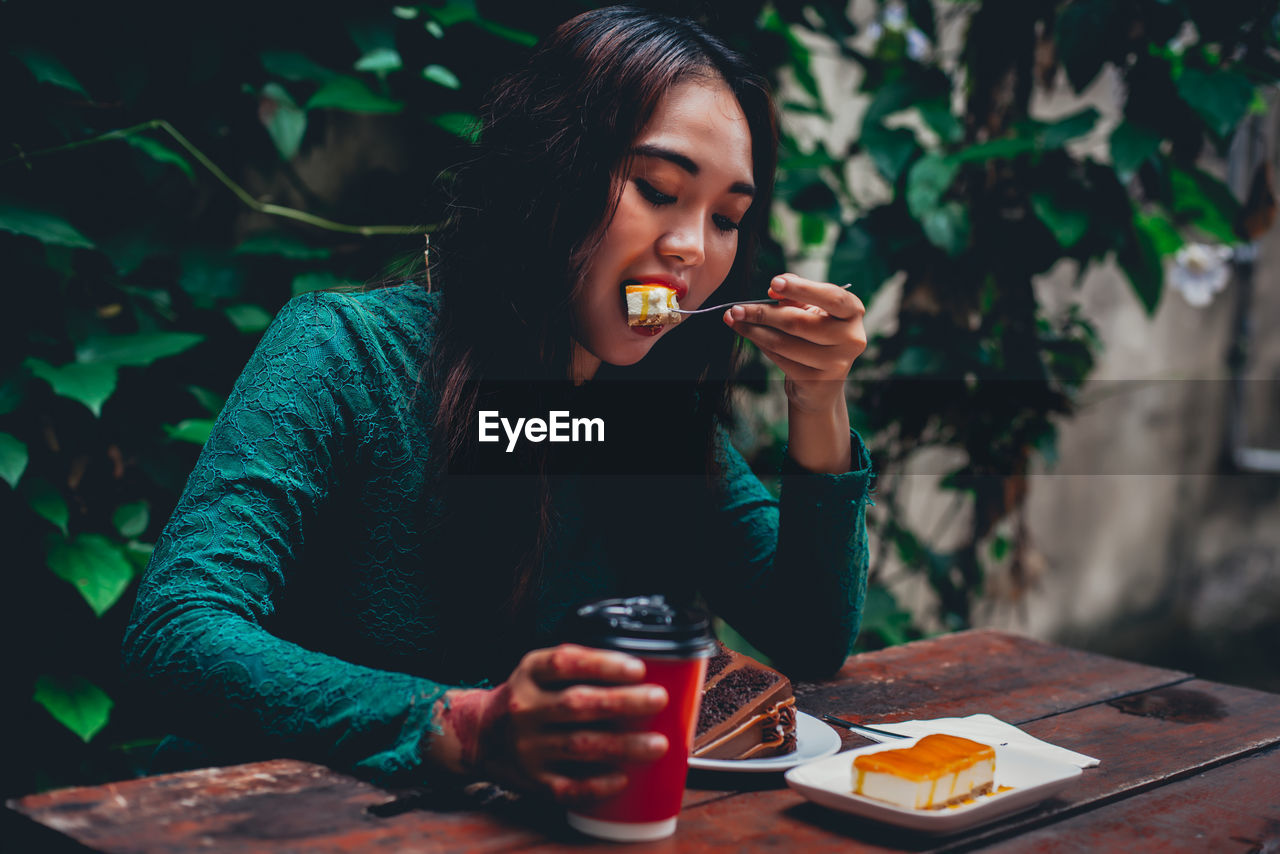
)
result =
(555, 725)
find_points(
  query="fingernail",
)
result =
(738, 312)
(728, 316)
(655, 743)
(656, 695)
(634, 668)
(779, 283)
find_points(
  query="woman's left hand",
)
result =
(813, 334)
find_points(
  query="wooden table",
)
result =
(1187, 765)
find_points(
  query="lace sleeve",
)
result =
(196, 635)
(791, 574)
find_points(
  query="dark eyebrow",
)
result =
(741, 187)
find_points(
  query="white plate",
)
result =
(1032, 779)
(814, 740)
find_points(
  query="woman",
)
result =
(351, 576)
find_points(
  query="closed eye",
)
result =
(652, 194)
(657, 198)
(724, 223)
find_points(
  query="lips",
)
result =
(677, 285)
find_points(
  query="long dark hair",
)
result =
(530, 207)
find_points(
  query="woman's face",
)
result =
(689, 185)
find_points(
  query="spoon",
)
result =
(739, 302)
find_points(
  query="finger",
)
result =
(816, 357)
(571, 790)
(793, 369)
(834, 300)
(584, 703)
(573, 663)
(586, 745)
(809, 323)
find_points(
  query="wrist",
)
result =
(473, 723)
(819, 397)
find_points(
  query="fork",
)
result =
(739, 302)
(860, 728)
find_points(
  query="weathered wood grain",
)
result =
(1233, 807)
(1204, 725)
(1157, 732)
(1017, 679)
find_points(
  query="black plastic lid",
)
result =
(643, 625)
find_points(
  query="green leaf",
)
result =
(13, 459)
(1005, 148)
(520, 37)
(814, 197)
(47, 68)
(161, 153)
(947, 227)
(46, 227)
(465, 125)
(442, 76)
(47, 502)
(1131, 145)
(1140, 260)
(856, 259)
(316, 280)
(285, 121)
(929, 178)
(1205, 202)
(248, 318)
(274, 243)
(211, 402)
(890, 150)
(139, 554)
(131, 519)
(74, 702)
(91, 384)
(12, 392)
(352, 96)
(453, 12)
(813, 229)
(209, 277)
(193, 430)
(938, 116)
(1077, 124)
(137, 349)
(96, 567)
(1165, 239)
(1221, 98)
(1083, 33)
(380, 60)
(1068, 224)
(291, 65)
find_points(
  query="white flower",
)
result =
(1199, 271)
(917, 44)
(895, 16)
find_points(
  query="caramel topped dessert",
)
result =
(937, 771)
(651, 305)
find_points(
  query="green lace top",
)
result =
(304, 600)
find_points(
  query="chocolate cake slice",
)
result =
(748, 710)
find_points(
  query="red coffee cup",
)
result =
(674, 644)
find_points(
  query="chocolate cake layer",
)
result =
(748, 710)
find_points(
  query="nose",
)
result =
(683, 241)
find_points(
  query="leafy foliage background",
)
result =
(163, 191)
